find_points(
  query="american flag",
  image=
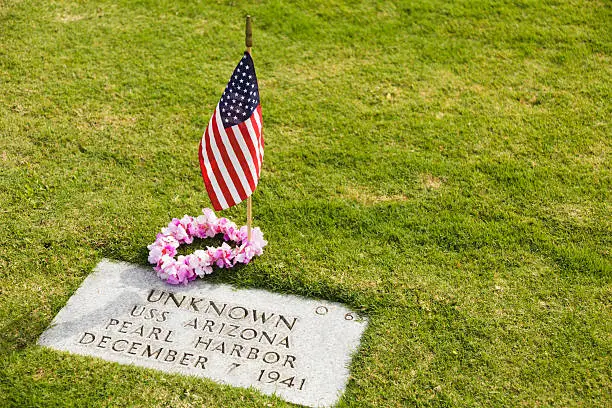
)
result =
(232, 147)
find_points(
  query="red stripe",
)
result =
(229, 166)
(215, 168)
(252, 148)
(240, 156)
(207, 183)
(255, 125)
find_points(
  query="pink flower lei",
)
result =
(184, 269)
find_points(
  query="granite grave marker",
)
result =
(297, 348)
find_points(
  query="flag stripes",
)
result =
(230, 159)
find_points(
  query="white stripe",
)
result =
(221, 165)
(209, 172)
(254, 140)
(232, 156)
(257, 118)
(245, 152)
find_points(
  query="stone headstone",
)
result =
(296, 348)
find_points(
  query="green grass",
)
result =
(442, 167)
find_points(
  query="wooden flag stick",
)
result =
(248, 42)
(249, 217)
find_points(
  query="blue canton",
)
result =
(241, 96)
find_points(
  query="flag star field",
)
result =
(241, 96)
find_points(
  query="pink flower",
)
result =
(184, 273)
(231, 232)
(210, 215)
(173, 280)
(257, 241)
(222, 223)
(244, 254)
(189, 225)
(162, 240)
(206, 230)
(241, 235)
(155, 253)
(177, 230)
(166, 264)
(162, 246)
(200, 262)
(222, 256)
(206, 224)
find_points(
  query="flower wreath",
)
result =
(184, 269)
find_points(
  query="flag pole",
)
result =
(248, 42)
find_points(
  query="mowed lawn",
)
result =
(441, 167)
